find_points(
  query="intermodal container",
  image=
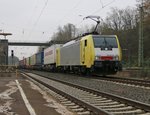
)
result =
(33, 59)
(50, 54)
(39, 58)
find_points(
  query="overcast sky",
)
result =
(37, 20)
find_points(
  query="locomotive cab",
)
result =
(107, 53)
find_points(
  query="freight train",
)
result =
(91, 53)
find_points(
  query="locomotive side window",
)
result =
(105, 42)
(85, 44)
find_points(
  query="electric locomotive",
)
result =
(91, 54)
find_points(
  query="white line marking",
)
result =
(28, 105)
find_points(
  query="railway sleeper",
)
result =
(104, 101)
(69, 104)
(111, 103)
(98, 99)
(84, 113)
(113, 106)
(119, 109)
(62, 99)
(137, 111)
(145, 114)
(73, 107)
(78, 109)
(66, 102)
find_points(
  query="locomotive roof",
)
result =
(80, 37)
(105, 35)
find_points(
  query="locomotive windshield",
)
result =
(104, 42)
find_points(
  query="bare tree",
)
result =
(114, 20)
(65, 34)
(122, 19)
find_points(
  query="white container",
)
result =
(50, 54)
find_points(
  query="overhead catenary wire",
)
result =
(65, 16)
(75, 6)
(25, 30)
(41, 13)
(71, 10)
(68, 13)
(101, 3)
(103, 6)
(36, 22)
(33, 12)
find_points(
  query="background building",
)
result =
(3, 52)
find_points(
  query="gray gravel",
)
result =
(135, 93)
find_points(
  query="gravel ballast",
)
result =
(132, 92)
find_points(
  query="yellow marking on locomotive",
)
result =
(57, 57)
(119, 48)
(87, 52)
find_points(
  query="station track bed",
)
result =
(94, 101)
(134, 92)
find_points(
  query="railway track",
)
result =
(126, 81)
(119, 80)
(84, 100)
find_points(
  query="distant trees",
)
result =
(119, 20)
(65, 33)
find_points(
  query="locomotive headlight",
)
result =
(116, 57)
(96, 57)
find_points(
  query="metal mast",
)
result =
(140, 50)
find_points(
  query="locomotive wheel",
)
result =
(83, 70)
